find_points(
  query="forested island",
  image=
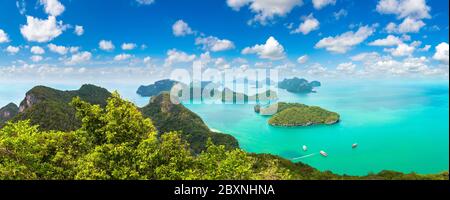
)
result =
(227, 95)
(298, 85)
(91, 133)
(296, 114)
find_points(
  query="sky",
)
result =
(58, 40)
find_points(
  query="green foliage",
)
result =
(117, 142)
(175, 117)
(49, 108)
(295, 114)
(8, 112)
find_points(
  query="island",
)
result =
(298, 85)
(296, 114)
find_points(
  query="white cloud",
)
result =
(3, 36)
(409, 25)
(147, 60)
(122, 57)
(425, 48)
(390, 40)
(74, 49)
(344, 42)
(181, 28)
(106, 45)
(442, 53)
(366, 56)
(402, 50)
(339, 14)
(309, 24)
(416, 9)
(21, 6)
(266, 10)
(36, 58)
(41, 30)
(79, 58)
(12, 49)
(302, 59)
(128, 46)
(62, 50)
(272, 50)
(214, 44)
(319, 4)
(79, 30)
(347, 67)
(37, 50)
(175, 56)
(145, 2)
(52, 7)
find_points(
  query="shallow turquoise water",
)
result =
(398, 126)
(402, 127)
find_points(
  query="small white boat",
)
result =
(323, 153)
(354, 145)
(305, 148)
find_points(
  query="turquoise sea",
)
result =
(400, 125)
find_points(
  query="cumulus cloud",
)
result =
(339, 14)
(106, 45)
(272, 50)
(128, 46)
(303, 59)
(41, 30)
(402, 50)
(181, 28)
(309, 24)
(409, 25)
(214, 44)
(344, 42)
(62, 50)
(319, 4)
(122, 57)
(347, 67)
(36, 58)
(265, 10)
(52, 7)
(175, 56)
(390, 40)
(416, 9)
(441, 54)
(37, 50)
(79, 58)
(3, 36)
(12, 49)
(79, 30)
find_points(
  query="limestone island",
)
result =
(296, 114)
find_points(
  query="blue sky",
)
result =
(332, 38)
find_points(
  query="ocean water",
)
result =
(400, 126)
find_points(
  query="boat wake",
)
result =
(305, 156)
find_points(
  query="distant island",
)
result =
(228, 95)
(296, 114)
(91, 133)
(156, 88)
(298, 85)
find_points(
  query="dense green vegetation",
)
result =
(156, 88)
(175, 117)
(49, 108)
(8, 112)
(298, 85)
(296, 114)
(118, 142)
